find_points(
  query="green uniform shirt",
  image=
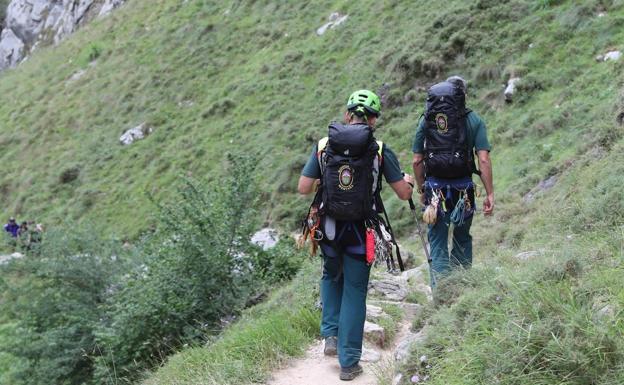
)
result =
(477, 135)
(391, 169)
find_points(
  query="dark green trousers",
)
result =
(442, 262)
(344, 304)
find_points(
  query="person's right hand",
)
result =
(488, 205)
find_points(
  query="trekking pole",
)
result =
(421, 233)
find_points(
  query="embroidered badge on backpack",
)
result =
(345, 177)
(442, 123)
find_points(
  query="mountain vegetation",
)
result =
(215, 80)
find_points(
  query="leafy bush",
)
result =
(54, 299)
(197, 269)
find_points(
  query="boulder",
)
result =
(335, 19)
(511, 89)
(543, 185)
(136, 133)
(391, 289)
(612, 55)
(266, 238)
(7, 258)
(415, 274)
(11, 49)
(374, 334)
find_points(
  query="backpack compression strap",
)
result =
(322, 145)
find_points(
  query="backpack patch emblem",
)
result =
(345, 177)
(442, 123)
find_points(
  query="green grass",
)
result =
(264, 338)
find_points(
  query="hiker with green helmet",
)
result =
(346, 167)
(448, 137)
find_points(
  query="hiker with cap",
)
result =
(346, 170)
(448, 139)
(12, 227)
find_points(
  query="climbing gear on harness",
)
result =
(383, 245)
(431, 211)
(311, 230)
(364, 101)
(446, 135)
(391, 266)
(419, 229)
(370, 245)
(459, 212)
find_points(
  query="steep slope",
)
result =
(214, 78)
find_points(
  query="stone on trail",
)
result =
(370, 355)
(397, 379)
(391, 289)
(374, 312)
(374, 333)
(526, 255)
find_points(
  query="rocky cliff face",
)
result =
(29, 23)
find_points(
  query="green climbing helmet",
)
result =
(364, 101)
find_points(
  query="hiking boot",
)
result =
(348, 374)
(331, 346)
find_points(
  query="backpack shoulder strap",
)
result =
(320, 153)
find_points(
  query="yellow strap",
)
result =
(322, 144)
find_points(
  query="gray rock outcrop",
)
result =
(30, 23)
(137, 133)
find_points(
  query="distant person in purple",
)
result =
(12, 227)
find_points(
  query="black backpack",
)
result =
(446, 136)
(350, 160)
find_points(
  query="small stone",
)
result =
(423, 360)
(374, 333)
(397, 379)
(370, 355)
(374, 312)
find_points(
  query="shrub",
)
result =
(196, 270)
(54, 301)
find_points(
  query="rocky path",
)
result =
(380, 355)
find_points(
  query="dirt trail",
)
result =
(316, 369)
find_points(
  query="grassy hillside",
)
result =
(211, 78)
